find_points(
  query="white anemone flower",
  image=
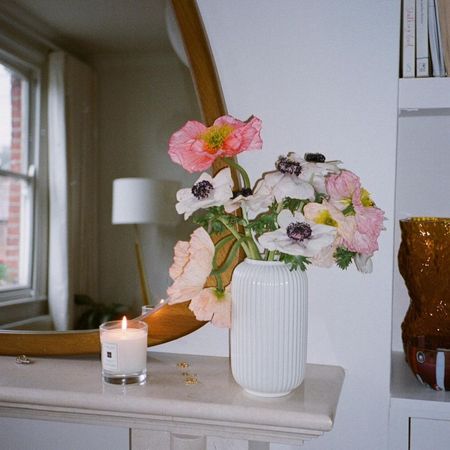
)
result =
(282, 185)
(297, 235)
(312, 169)
(252, 201)
(206, 192)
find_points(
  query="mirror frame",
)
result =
(170, 321)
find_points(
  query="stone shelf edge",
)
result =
(71, 389)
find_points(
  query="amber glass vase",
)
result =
(424, 263)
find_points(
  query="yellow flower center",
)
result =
(365, 198)
(215, 136)
(324, 218)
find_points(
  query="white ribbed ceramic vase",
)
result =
(269, 327)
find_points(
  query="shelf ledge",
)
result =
(416, 94)
(72, 390)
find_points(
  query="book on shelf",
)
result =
(422, 54)
(444, 22)
(434, 31)
(408, 38)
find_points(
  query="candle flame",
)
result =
(124, 323)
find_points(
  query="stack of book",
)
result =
(425, 38)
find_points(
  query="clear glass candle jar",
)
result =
(124, 351)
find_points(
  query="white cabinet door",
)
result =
(25, 434)
(429, 434)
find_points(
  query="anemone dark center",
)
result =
(299, 231)
(287, 165)
(245, 192)
(315, 157)
(202, 189)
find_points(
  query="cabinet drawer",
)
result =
(429, 434)
(27, 434)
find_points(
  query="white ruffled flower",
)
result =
(282, 185)
(313, 168)
(297, 235)
(206, 192)
(257, 200)
(363, 263)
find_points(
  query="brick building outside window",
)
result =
(16, 184)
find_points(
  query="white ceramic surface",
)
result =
(269, 327)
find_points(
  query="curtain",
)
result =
(73, 163)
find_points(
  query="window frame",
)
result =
(30, 63)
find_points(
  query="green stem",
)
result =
(229, 260)
(248, 233)
(219, 245)
(253, 249)
(236, 235)
(219, 283)
(240, 169)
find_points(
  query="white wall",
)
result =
(322, 76)
(143, 98)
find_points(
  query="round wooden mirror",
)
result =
(168, 322)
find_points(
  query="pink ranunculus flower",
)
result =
(342, 188)
(213, 306)
(369, 223)
(196, 147)
(345, 190)
(191, 266)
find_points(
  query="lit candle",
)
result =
(124, 351)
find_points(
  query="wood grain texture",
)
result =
(169, 322)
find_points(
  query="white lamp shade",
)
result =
(142, 200)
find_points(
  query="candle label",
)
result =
(110, 358)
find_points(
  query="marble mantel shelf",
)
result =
(71, 389)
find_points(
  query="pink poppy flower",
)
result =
(342, 188)
(196, 147)
(369, 223)
(208, 305)
(191, 266)
(327, 214)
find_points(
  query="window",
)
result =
(17, 180)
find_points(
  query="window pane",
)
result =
(15, 228)
(14, 120)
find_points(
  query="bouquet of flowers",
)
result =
(306, 211)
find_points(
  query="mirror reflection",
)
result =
(125, 92)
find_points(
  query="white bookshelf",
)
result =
(405, 388)
(419, 416)
(424, 94)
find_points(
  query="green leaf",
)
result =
(264, 222)
(320, 197)
(211, 219)
(343, 257)
(294, 204)
(295, 261)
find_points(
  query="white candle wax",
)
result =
(124, 351)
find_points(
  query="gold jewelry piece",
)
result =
(23, 359)
(192, 379)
